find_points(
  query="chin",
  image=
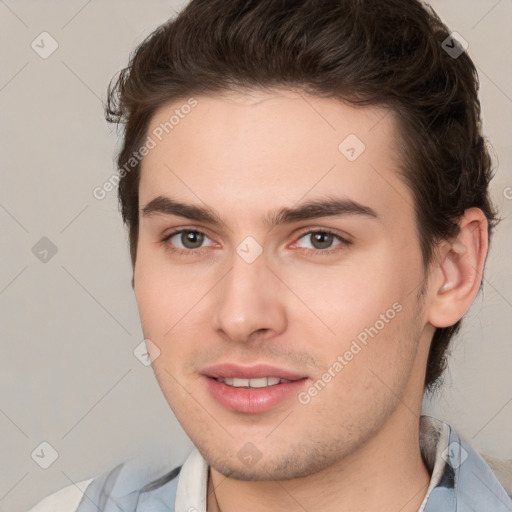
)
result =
(296, 463)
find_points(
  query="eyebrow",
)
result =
(328, 207)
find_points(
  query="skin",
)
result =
(248, 155)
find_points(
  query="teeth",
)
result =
(261, 382)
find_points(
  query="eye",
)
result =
(320, 240)
(187, 240)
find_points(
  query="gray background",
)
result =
(69, 324)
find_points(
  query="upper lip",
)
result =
(231, 370)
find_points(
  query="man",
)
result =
(306, 190)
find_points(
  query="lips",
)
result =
(232, 387)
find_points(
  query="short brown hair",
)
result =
(386, 53)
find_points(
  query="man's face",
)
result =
(330, 302)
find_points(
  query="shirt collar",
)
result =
(192, 485)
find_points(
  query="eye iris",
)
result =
(322, 240)
(192, 239)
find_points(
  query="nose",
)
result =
(248, 302)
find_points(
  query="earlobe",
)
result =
(457, 279)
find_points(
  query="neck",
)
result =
(387, 473)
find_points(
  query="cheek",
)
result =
(363, 374)
(367, 314)
(173, 312)
(167, 296)
(341, 301)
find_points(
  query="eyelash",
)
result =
(344, 243)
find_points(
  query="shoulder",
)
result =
(126, 486)
(65, 500)
(502, 468)
(461, 473)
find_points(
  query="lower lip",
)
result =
(252, 400)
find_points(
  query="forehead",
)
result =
(255, 118)
(274, 147)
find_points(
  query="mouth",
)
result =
(253, 389)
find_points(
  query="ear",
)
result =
(456, 279)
